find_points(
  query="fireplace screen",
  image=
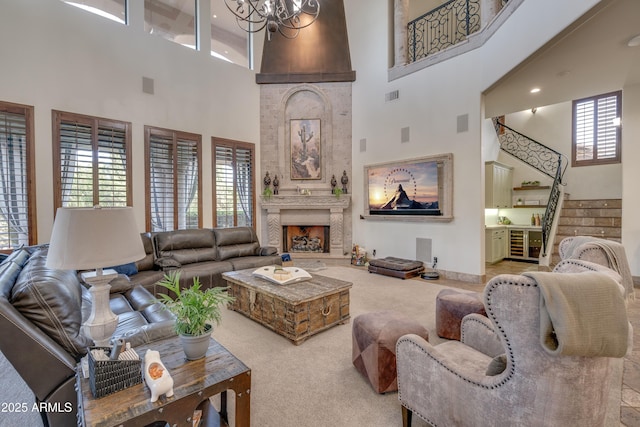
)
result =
(305, 238)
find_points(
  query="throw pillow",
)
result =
(127, 269)
(120, 284)
(497, 365)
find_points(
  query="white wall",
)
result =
(551, 126)
(631, 175)
(58, 57)
(429, 104)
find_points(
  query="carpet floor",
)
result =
(311, 384)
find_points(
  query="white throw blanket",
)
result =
(615, 254)
(581, 314)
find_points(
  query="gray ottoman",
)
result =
(396, 267)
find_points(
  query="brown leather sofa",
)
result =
(205, 253)
(41, 313)
(42, 309)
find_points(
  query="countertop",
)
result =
(527, 226)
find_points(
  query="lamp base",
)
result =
(101, 323)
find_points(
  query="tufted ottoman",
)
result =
(451, 307)
(396, 267)
(374, 346)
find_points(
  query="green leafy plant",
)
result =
(195, 309)
(337, 192)
(267, 193)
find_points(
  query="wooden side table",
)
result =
(194, 383)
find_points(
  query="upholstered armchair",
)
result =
(600, 251)
(503, 373)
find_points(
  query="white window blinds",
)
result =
(596, 129)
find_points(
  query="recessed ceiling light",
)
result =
(634, 41)
(535, 90)
(215, 16)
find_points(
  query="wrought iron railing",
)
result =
(545, 159)
(442, 27)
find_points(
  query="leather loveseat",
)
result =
(41, 313)
(205, 253)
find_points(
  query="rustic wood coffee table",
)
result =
(295, 311)
(194, 382)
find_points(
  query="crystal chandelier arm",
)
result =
(291, 19)
(281, 15)
(249, 14)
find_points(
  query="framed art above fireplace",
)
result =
(306, 160)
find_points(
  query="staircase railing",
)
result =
(442, 27)
(545, 159)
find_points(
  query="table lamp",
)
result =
(95, 238)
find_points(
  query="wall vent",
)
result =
(392, 96)
(423, 250)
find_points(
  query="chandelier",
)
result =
(285, 16)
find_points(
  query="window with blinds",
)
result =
(17, 198)
(93, 166)
(174, 180)
(596, 130)
(234, 192)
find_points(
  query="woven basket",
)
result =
(109, 376)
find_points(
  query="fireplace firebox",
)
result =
(305, 238)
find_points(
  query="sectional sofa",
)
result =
(42, 309)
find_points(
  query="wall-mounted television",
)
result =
(412, 188)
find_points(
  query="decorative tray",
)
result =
(282, 275)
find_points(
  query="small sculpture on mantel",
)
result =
(276, 184)
(344, 180)
(266, 181)
(333, 184)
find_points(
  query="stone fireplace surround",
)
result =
(330, 103)
(308, 210)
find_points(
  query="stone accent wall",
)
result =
(332, 104)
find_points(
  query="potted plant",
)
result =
(195, 310)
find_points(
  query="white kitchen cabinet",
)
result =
(498, 185)
(495, 244)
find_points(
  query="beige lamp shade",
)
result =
(89, 238)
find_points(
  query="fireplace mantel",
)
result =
(312, 201)
(296, 209)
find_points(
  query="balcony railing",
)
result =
(442, 27)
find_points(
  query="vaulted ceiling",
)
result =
(590, 57)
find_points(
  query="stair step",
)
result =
(589, 204)
(597, 218)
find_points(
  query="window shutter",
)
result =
(244, 186)
(76, 161)
(234, 191)
(93, 166)
(224, 186)
(607, 129)
(14, 203)
(187, 191)
(173, 180)
(584, 130)
(596, 129)
(161, 170)
(112, 166)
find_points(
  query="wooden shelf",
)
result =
(530, 206)
(532, 187)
